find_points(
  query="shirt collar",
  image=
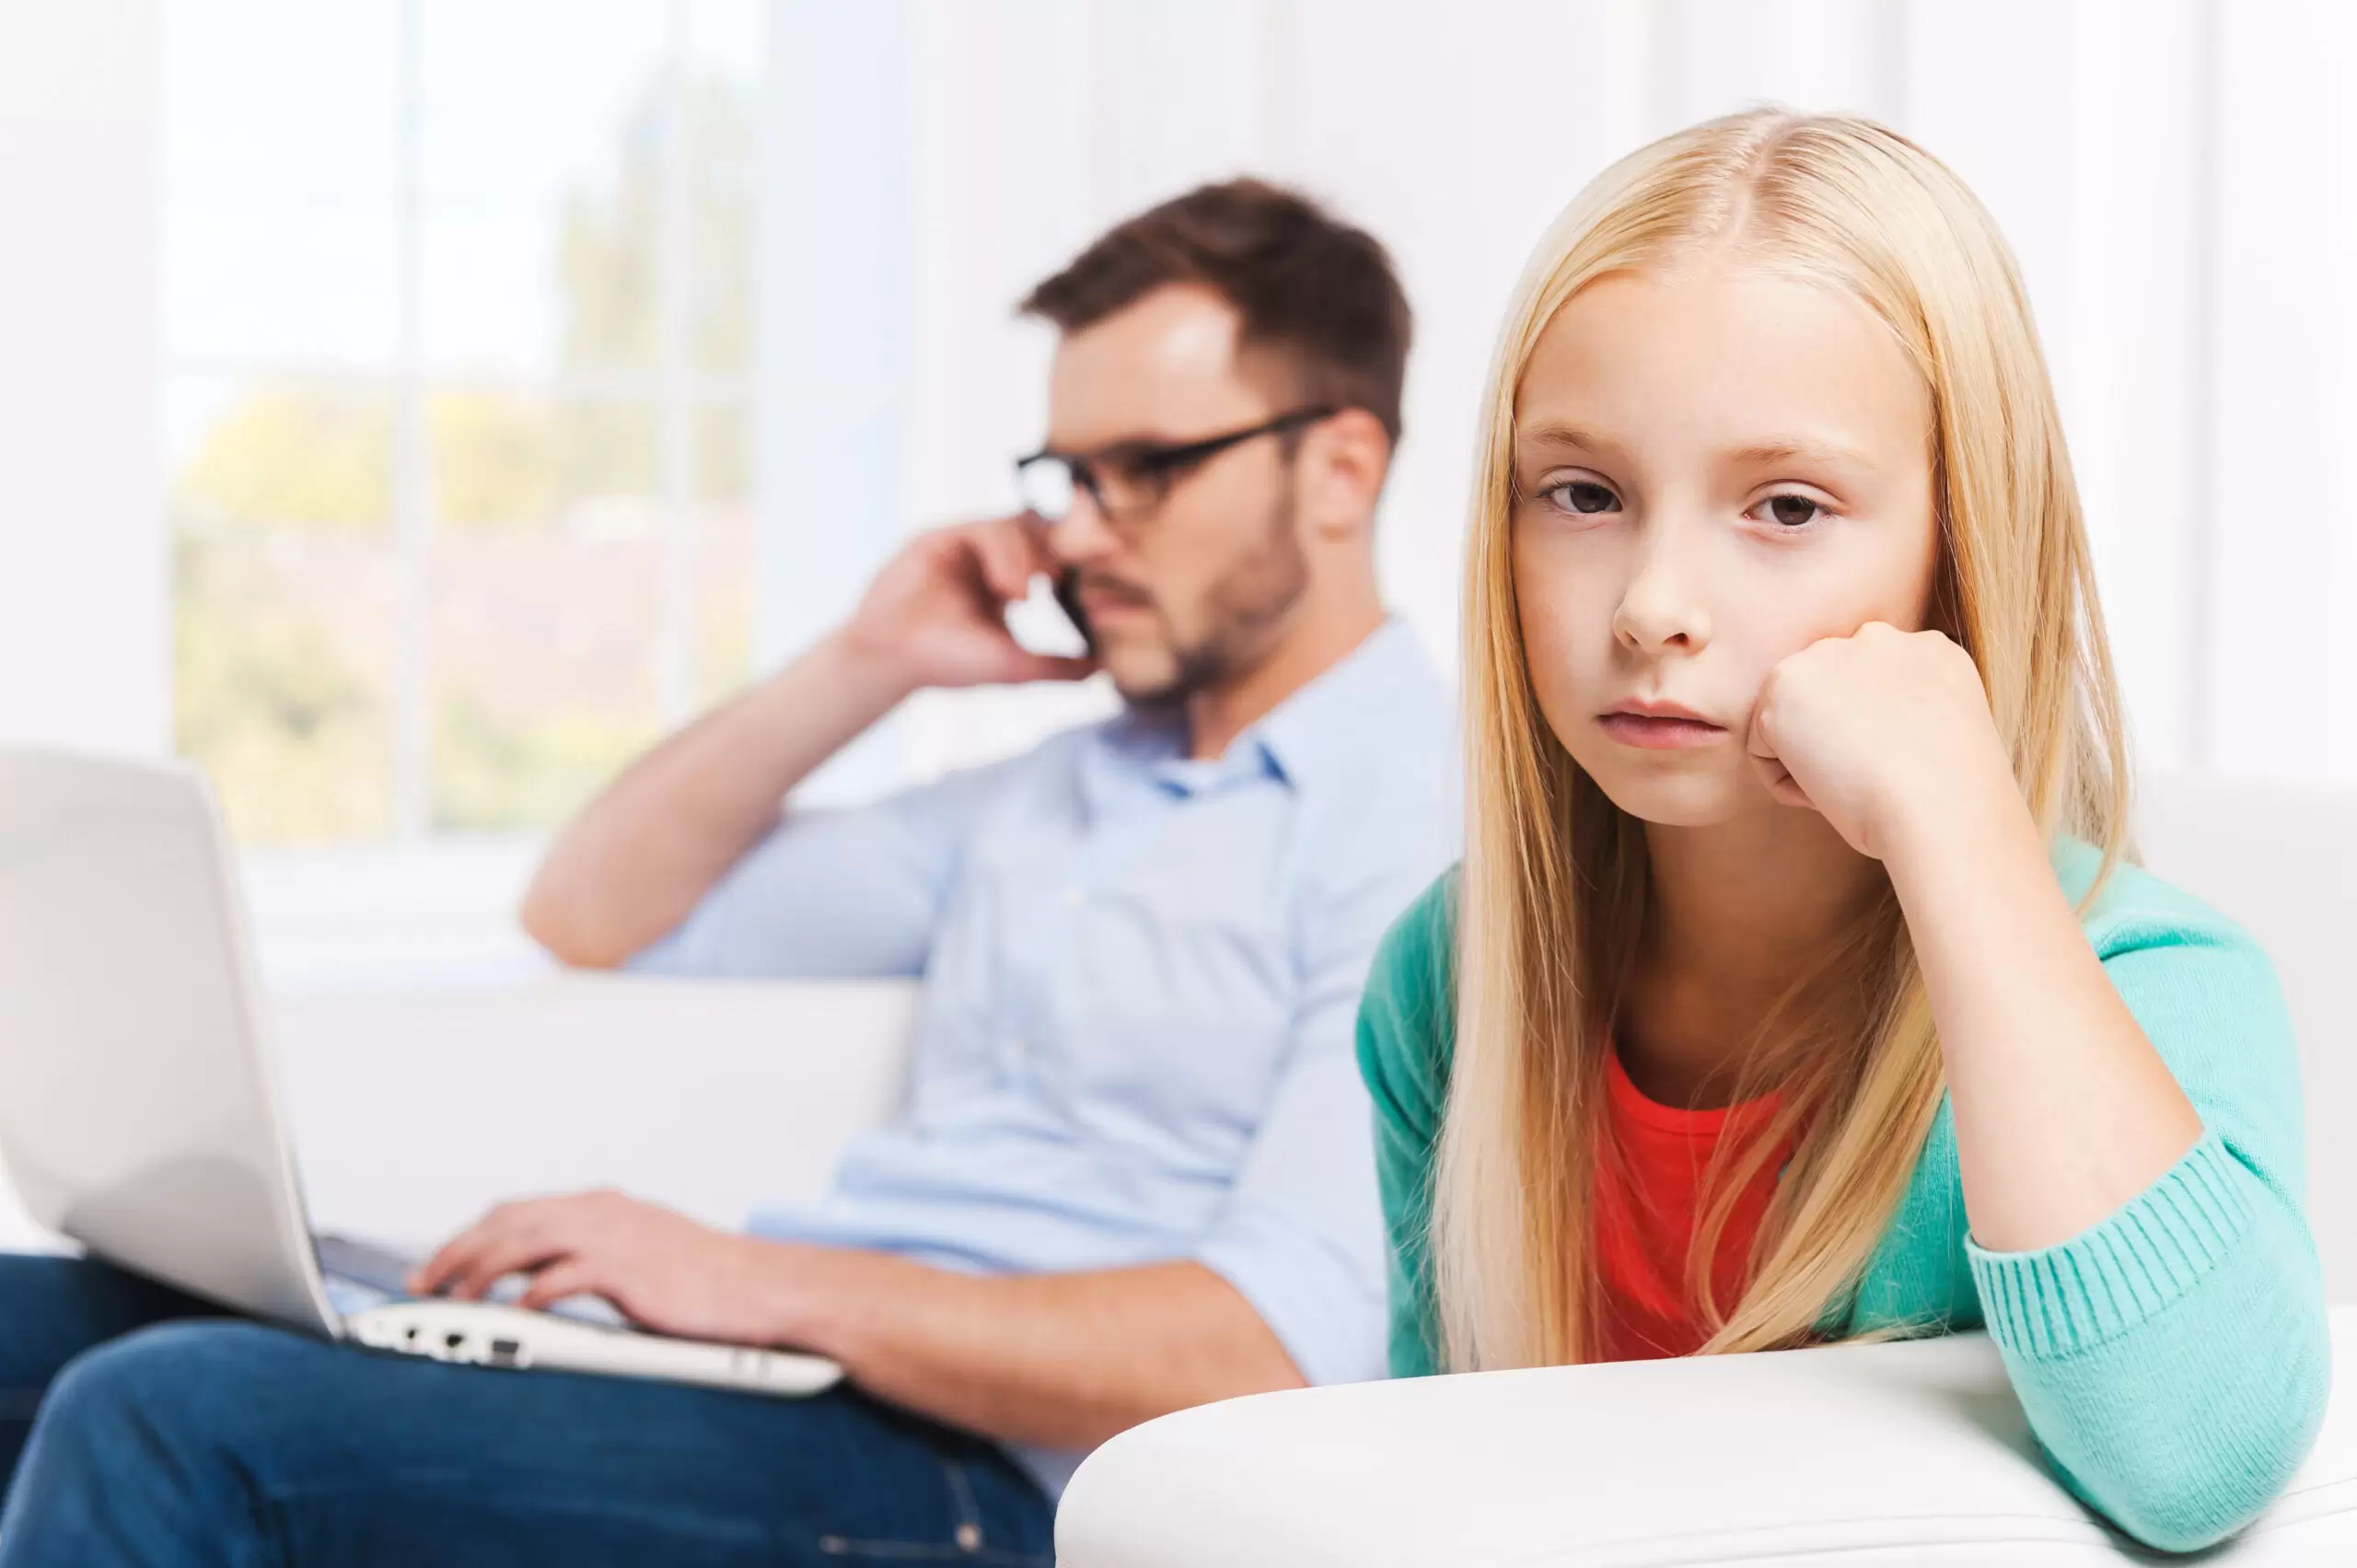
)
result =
(1320, 736)
(1317, 737)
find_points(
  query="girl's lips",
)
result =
(1660, 734)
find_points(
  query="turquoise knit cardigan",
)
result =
(2172, 1360)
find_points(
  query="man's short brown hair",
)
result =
(1315, 296)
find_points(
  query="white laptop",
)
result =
(140, 1111)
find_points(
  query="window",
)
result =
(456, 309)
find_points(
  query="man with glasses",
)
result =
(1134, 1173)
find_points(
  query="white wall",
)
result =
(2180, 177)
(83, 633)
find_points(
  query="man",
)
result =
(1134, 1173)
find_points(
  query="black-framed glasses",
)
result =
(1129, 480)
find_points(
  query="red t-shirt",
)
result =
(1648, 1206)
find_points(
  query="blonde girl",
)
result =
(1798, 985)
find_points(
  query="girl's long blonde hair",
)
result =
(1555, 882)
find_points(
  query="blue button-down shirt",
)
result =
(1141, 976)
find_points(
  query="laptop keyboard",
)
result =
(362, 1275)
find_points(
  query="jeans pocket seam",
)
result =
(961, 1496)
(928, 1551)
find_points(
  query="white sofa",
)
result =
(413, 1112)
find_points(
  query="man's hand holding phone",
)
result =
(936, 614)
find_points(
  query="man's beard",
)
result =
(1255, 595)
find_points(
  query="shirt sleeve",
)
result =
(1302, 1235)
(2173, 1360)
(848, 893)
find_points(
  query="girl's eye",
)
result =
(1581, 497)
(1791, 511)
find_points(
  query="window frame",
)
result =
(418, 899)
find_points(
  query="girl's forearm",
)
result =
(2063, 1110)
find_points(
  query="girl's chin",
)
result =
(1674, 797)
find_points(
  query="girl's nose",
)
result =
(1662, 606)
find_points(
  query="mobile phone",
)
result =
(1068, 600)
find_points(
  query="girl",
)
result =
(1796, 986)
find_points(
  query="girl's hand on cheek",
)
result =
(1885, 732)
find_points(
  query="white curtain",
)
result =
(2178, 178)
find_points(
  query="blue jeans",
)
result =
(138, 1427)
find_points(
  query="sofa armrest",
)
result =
(1887, 1454)
(414, 1111)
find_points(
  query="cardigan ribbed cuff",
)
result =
(2130, 1266)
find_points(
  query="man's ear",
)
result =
(1350, 453)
